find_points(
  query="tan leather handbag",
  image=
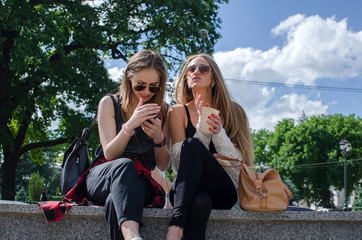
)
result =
(260, 191)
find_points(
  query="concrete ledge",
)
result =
(26, 221)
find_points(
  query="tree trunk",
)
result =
(11, 160)
(9, 173)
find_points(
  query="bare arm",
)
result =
(113, 144)
(162, 154)
(163, 181)
(177, 131)
(177, 123)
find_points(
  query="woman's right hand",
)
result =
(199, 103)
(141, 114)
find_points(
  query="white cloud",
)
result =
(314, 48)
(115, 73)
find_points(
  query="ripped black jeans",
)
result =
(201, 185)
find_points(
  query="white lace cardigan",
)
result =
(223, 146)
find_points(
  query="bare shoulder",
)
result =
(105, 106)
(106, 100)
(177, 109)
(177, 114)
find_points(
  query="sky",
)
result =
(285, 58)
(269, 46)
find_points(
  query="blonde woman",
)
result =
(202, 183)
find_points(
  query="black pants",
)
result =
(117, 186)
(201, 185)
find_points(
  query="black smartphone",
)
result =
(148, 120)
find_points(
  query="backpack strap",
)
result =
(116, 107)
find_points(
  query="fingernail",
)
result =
(210, 129)
(209, 117)
(212, 114)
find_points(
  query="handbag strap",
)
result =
(222, 157)
(287, 190)
(87, 131)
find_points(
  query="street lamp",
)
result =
(203, 35)
(345, 148)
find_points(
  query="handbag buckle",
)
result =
(262, 195)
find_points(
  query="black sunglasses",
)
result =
(204, 69)
(153, 89)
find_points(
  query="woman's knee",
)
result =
(202, 203)
(124, 166)
(124, 163)
(192, 145)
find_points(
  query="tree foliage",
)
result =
(357, 205)
(52, 62)
(308, 154)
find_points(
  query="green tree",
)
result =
(52, 62)
(36, 186)
(309, 154)
(357, 205)
(260, 141)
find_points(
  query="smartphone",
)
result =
(148, 120)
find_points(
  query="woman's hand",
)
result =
(215, 122)
(199, 103)
(154, 129)
(141, 114)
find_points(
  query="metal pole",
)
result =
(276, 163)
(346, 148)
(203, 46)
(203, 35)
(345, 182)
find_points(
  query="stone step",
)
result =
(26, 221)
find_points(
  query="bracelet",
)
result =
(125, 131)
(163, 143)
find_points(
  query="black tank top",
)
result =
(140, 146)
(191, 130)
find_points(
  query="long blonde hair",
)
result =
(235, 120)
(145, 59)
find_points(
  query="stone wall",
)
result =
(26, 221)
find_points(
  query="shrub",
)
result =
(36, 186)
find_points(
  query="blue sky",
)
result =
(248, 23)
(290, 43)
(309, 43)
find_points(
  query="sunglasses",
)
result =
(204, 69)
(153, 89)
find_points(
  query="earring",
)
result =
(212, 84)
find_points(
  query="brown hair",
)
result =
(139, 61)
(235, 120)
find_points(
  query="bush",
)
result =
(36, 186)
(21, 195)
(357, 206)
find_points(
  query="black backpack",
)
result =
(75, 161)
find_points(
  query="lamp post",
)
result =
(345, 148)
(203, 35)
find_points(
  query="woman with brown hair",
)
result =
(133, 132)
(202, 183)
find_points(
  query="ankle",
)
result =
(174, 233)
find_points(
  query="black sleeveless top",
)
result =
(191, 130)
(140, 146)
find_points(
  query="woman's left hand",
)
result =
(215, 122)
(153, 129)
